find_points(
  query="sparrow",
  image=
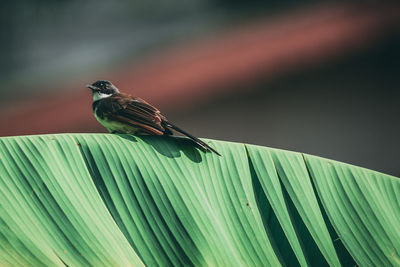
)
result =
(125, 114)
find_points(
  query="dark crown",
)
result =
(105, 87)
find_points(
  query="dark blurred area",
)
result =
(315, 77)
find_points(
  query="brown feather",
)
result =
(125, 110)
(131, 110)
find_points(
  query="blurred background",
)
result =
(319, 77)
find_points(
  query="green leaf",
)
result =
(117, 200)
(364, 208)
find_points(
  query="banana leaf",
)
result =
(119, 200)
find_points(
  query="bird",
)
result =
(125, 114)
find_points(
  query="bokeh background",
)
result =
(320, 77)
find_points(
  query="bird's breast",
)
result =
(113, 126)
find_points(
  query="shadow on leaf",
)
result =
(169, 146)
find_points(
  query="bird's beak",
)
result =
(93, 88)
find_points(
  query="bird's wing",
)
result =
(140, 114)
(134, 111)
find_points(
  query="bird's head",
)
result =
(101, 89)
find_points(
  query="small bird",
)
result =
(125, 114)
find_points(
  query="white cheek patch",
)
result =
(98, 96)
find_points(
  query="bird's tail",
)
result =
(200, 143)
